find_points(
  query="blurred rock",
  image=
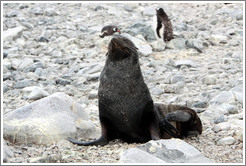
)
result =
(43, 121)
(37, 93)
(7, 152)
(177, 43)
(12, 34)
(226, 141)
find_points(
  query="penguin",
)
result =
(109, 30)
(162, 18)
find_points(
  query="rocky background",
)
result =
(52, 57)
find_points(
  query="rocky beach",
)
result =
(52, 58)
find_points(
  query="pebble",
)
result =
(221, 126)
(37, 93)
(176, 43)
(209, 80)
(226, 141)
(63, 82)
(13, 33)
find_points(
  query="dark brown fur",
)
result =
(162, 18)
(126, 109)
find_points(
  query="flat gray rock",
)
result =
(166, 151)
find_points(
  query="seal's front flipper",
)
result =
(176, 116)
(169, 128)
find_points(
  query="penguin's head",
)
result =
(116, 30)
(160, 11)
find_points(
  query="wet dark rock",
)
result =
(200, 104)
(63, 82)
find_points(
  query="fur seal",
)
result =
(162, 18)
(126, 109)
(109, 30)
(177, 121)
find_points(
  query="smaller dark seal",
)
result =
(109, 30)
(162, 18)
(177, 121)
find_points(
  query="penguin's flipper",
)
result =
(159, 25)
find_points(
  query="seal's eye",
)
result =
(115, 29)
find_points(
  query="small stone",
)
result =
(217, 39)
(93, 94)
(185, 62)
(7, 152)
(230, 108)
(93, 77)
(12, 14)
(223, 97)
(43, 39)
(195, 43)
(37, 93)
(176, 43)
(238, 93)
(209, 80)
(5, 54)
(157, 91)
(25, 63)
(158, 46)
(24, 83)
(34, 67)
(50, 12)
(63, 82)
(214, 21)
(220, 119)
(221, 126)
(177, 78)
(226, 141)
(12, 34)
(200, 104)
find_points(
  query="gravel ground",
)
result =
(221, 57)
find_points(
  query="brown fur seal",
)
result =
(126, 109)
(109, 30)
(162, 18)
(177, 121)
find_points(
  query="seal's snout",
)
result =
(116, 42)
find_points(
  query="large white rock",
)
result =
(45, 121)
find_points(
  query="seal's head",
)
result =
(121, 47)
